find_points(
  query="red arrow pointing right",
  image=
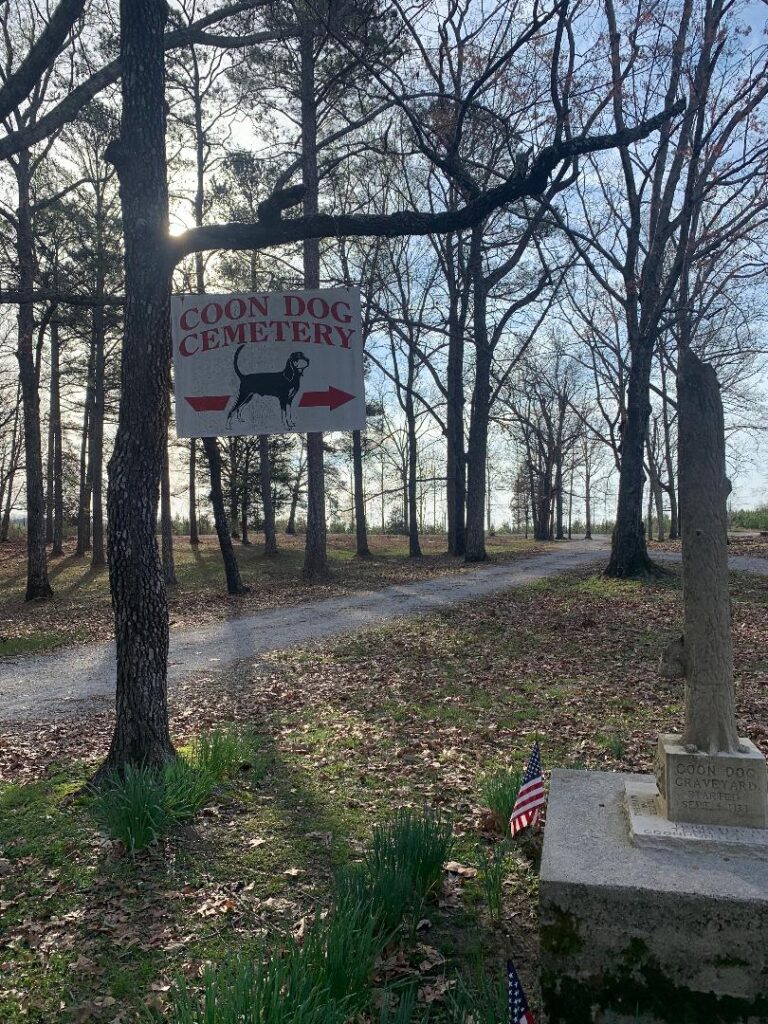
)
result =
(332, 398)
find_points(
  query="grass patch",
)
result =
(499, 791)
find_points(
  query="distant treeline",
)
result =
(750, 518)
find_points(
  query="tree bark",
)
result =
(315, 551)
(290, 527)
(96, 437)
(221, 521)
(668, 460)
(414, 547)
(587, 499)
(477, 447)
(629, 555)
(84, 497)
(54, 434)
(38, 586)
(361, 529)
(455, 467)
(141, 734)
(267, 504)
(166, 522)
(710, 717)
(559, 496)
(194, 536)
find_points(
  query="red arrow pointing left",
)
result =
(209, 403)
(333, 398)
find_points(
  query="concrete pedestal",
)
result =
(645, 934)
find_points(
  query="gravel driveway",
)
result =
(49, 685)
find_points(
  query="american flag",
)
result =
(518, 1004)
(531, 795)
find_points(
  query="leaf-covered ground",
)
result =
(80, 611)
(412, 713)
(754, 545)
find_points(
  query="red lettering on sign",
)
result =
(258, 331)
(208, 339)
(185, 323)
(183, 349)
(294, 305)
(211, 313)
(300, 330)
(337, 316)
(323, 334)
(345, 333)
(280, 326)
(259, 305)
(235, 309)
(234, 334)
(318, 308)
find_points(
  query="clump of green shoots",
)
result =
(138, 804)
(499, 791)
(492, 865)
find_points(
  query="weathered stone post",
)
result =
(708, 775)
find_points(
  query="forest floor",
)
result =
(741, 545)
(80, 611)
(410, 712)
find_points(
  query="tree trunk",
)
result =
(587, 501)
(414, 547)
(315, 551)
(455, 466)
(11, 473)
(477, 448)
(84, 498)
(54, 528)
(361, 530)
(194, 536)
(141, 733)
(710, 717)
(245, 540)
(166, 522)
(629, 556)
(267, 504)
(96, 441)
(559, 497)
(290, 528)
(231, 568)
(668, 460)
(51, 450)
(38, 587)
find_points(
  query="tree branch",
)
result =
(40, 57)
(529, 179)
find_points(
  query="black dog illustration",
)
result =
(282, 385)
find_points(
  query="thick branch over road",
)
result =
(530, 179)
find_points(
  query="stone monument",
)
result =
(654, 891)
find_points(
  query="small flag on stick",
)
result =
(518, 1004)
(531, 795)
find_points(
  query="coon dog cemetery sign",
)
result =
(268, 363)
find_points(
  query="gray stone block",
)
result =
(639, 935)
(712, 789)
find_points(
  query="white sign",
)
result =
(268, 363)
